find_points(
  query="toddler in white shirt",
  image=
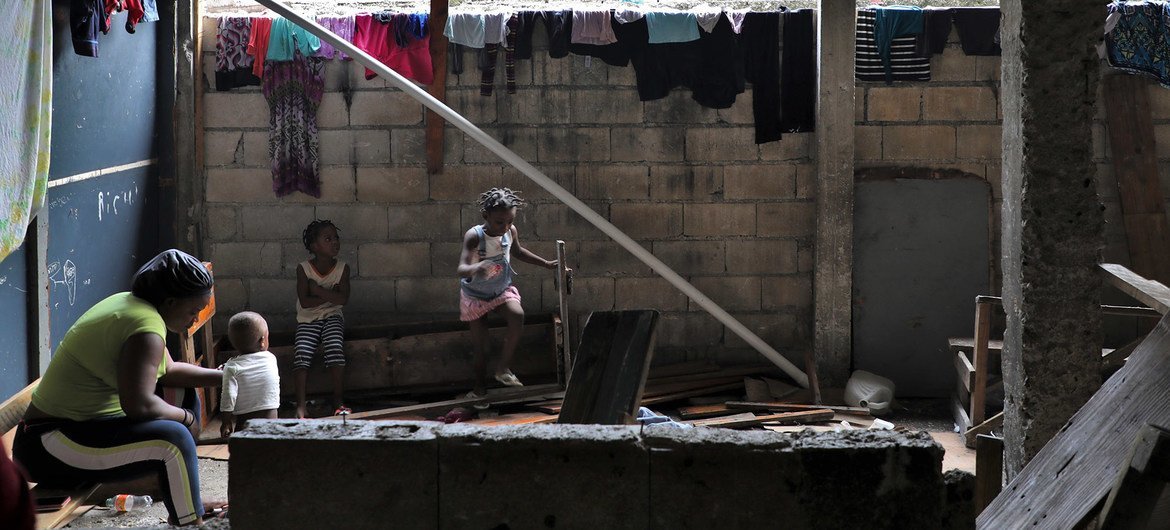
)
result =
(251, 382)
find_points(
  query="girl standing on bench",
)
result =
(322, 292)
(95, 416)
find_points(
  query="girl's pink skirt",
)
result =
(474, 308)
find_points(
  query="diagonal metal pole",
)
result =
(543, 181)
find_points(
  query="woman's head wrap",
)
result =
(171, 274)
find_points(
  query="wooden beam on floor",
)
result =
(793, 407)
(749, 419)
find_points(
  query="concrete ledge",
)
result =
(305, 474)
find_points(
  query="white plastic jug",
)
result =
(865, 389)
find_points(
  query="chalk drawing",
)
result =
(108, 201)
(4, 281)
(66, 276)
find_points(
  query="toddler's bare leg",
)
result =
(515, 316)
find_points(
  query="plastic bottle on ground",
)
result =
(128, 503)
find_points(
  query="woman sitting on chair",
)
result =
(95, 416)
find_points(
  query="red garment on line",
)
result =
(377, 39)
(258, 44)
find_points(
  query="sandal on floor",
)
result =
(342, 409)
(478, 405)
(509, 379)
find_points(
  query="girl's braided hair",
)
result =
(499, 199)
(314, 228)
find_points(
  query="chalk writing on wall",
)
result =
(64, 277)
(108, 201)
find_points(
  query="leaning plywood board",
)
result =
(610, 370)
(1073, 473)
(1149, 292)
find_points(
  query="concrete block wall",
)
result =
(379, 474)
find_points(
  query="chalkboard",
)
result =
(14, 340)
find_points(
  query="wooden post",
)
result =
(988, 470)
(37, 279)
(833, 276)
(564, 337)
(982, 336)
(438, 88)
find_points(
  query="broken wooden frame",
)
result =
(612, 365)
(456, 119)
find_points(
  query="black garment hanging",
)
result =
(712, 66)
(798, 72)
(760, 43)
(978, 29)
(905, 63)
(936, 27)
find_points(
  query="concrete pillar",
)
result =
(1052, 220)
(833, 276)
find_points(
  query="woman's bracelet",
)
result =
(185, 415)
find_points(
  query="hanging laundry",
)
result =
(286, 39)
(293, 90)
(397, 43)
(488, 68)
(737, 16)
(890, 23)
(936, 28)
(592, 27)
(707, 17)
(465, 29)
(1138, 41)
(905, 64)
(86, 19)
(672, 27)
(26, 116)
(139, 11)
(343, 27)
(233, 65)
(978, 29)
(524, 35)
(559, 25)
(258, 44)
(617, 53)
(798, 72)
(760, 41)
(495, 28)
(455, 58)
(711, 66)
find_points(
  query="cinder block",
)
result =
(408, 146)
(610, 182)
(867, 142)
(761, 256)
(648, 221)
(246, 259)
(384, 107)
(371, 147)
(733, 293)
(723, 143)
(980, 141)
(987, 68)
(903, 142)
(369, 299)
(356, 222)
(701, 183)
(759, 182)
(779, 330)
(719, 219)
(695, 332)
(275, 223)
(606, 258)
(622, 76)
(222, 148)
(452, 147)
(231, 296)
(588, 71)
(648, 293)
(794, 146)
(425, 222)
(806, 181)
(336, 147)
(535, 106)
(337, 75)
(589, 294)
(547, 71)
(256, 149)
(463, 183)
(741, 112)
(337, 185)
(221, 222)
(579, 476)
(993, 174)
(564, 176)
(426, 295)
(692, 257)
(953, 65)
(557, 221)
(893, 103)
(787, 219)
(480, 110)
(530, 287)
(295, 253)
(239, 185)
(804, 257)
(272, 296)
(234, 110)
(859, 105)
(972, 103)
(392, 184)
(651, 144)
(390, 468)
(333, 113)
(383, 260)
(444, 258)
(605, 106)
(678, 108)
(573, 145)
(522, 141)
(787, 293)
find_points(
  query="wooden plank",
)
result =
(749, 419)
(438, 87)
(63, 516)
(214, 452)
(988, 470)
(563, 333)
(609, 374)
(979, 359)
(675, 396)
(12, 410)
(960, 414)
(1149, 292)
(493, 396)
(1140, 482)
(718, 420)
(683, 368)
(788, 407)
(1074, 472)
(994, 423)
(965, 371)
(704, 411)
(1135, 167)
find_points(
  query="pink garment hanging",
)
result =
(592, 27)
